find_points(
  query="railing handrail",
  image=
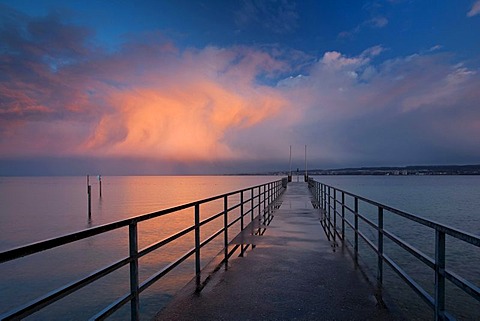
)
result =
(437, 264)
(39, 246)
(462, 235)
(259, 196)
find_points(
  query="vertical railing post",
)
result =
(322, 202)
(241, 220)
(317, 186)
(270, 196)
(268, 201)
(439, 275)
(264, 201)
(197, 246)
(241, 211)
(380, 247)
(251, 205)
(325, 200)
(321, 197)
(259, 205)
(334, 215)
(133, 249)
(225, 229)
(343, 216)
(329, 210)
(355, 243)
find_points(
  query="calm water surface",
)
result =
(33, 209)
(450, 200)
(37, 208)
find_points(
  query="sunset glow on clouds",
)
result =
(151, 97)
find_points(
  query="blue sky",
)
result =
(226, 86)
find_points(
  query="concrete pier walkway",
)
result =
(292, 274)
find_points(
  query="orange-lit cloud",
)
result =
(187, 123)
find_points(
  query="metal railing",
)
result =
(255, 202)
(333, 204)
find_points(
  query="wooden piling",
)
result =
(100, 185)
(89, 193)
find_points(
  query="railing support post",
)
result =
(197, 247)
(269, 198)
(355, 243)
(343, 216)
(329, 211)
(251, 205)
(322, 196)
(241, 221)
(319, 196)
(380, 247)
(259, 206)
(264, 201)
(225, 229)
(133, 244)
(334, 215)
(439, 275)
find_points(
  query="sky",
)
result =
(213, 87)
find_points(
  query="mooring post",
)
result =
(89, 193)
(100, 185)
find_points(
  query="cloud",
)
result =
(148, 99)
(403, 110)
(210, 107)
(475, 10)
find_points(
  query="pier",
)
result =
(293, 273)
(281, 251)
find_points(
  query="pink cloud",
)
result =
(152, 100)
(147, 100)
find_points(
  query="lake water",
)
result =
(450, 200)
(36, 208)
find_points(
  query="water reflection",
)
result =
(51, 207)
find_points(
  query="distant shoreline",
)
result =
(390, 171)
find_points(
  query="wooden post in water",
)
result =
(100, 184)
(89, 193)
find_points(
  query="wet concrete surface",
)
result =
(293, 273)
